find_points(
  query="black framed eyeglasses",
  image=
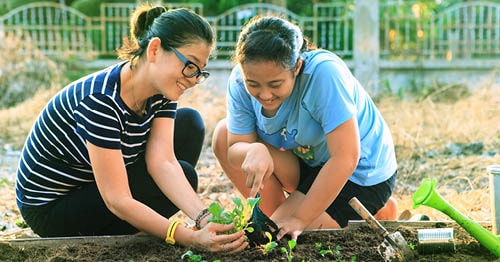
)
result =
(190, 69)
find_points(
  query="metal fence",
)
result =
(469, 30)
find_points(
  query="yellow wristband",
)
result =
(171, 232)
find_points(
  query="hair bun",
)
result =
(153, 13)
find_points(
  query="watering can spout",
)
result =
(428, 196)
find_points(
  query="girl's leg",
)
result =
(285, 177)
(376, 198)
(324, 221)
(389, 211)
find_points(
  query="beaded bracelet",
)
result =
(169, 238)
(200, 216)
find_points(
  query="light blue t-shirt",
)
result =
(325, 95)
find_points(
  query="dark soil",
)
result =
(359, 243)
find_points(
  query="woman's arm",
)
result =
(111, 178)
(166, 171)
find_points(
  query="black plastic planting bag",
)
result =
(261, 224)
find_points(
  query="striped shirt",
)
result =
(55, 160)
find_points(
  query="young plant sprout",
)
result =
(239, 215)
(288, 252)
(192, 257)
(269, 246)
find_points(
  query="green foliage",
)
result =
(88, 7)
(192, 257)
(24, 70)
(288, 252)
(93, 7)
(332, 253)
(269, 246)
(11, 4)
(239, 215)
(3, 8)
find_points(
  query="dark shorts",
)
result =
(373, 197)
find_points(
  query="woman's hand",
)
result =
(258, 165)
(212, 238)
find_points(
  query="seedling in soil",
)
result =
(269, 246)
(192, 257)
(288, 252)
(239, 216)
(329, 250)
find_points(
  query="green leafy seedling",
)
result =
(329, 250)
(269, 246)
(192, 257)
(239, 215)
(288, 252)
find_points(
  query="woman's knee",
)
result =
(189, 135)
(189, 119)
(190, 174)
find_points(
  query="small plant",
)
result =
(239, 216)
(269, 246)
(329, 251)
(192, 257)
(288, 252)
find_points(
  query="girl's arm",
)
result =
(254, 158)
(344, 148)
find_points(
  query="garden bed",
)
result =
(358, 243)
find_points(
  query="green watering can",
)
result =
(427, 195)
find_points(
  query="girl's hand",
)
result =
(212, 238)
(258, 165)
(291, 226)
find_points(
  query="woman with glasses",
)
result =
(111, 154)
(302, 132)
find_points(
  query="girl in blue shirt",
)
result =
(299, 123)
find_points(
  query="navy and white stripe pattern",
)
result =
(55, 158)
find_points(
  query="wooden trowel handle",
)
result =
(365, 214)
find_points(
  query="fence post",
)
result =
(366, 44)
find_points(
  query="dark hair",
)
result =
(269, 38)
(175, 28)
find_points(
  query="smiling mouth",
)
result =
(182, 87)
(268, 102)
